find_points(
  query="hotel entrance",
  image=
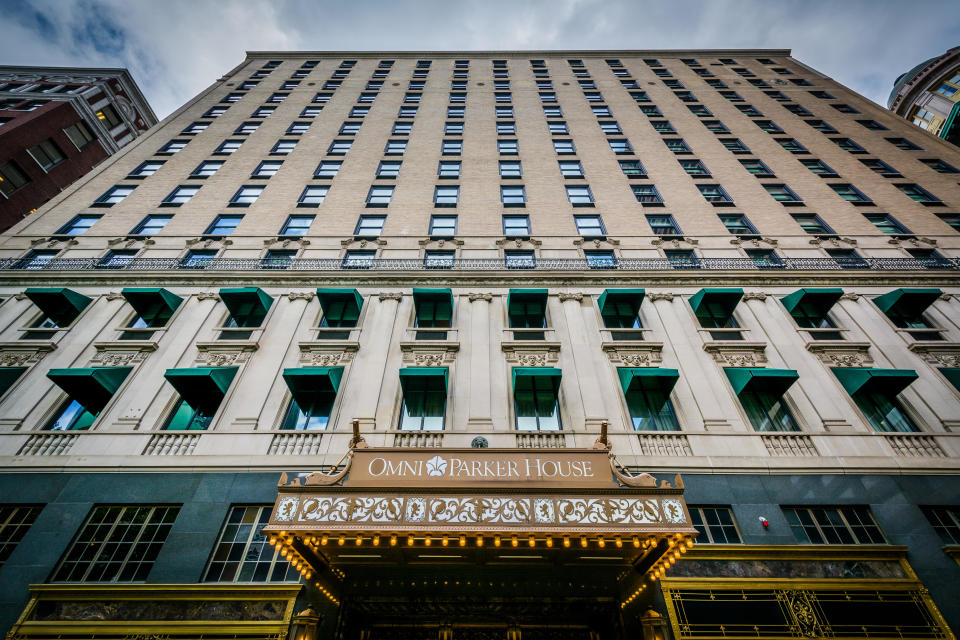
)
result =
(481, 544)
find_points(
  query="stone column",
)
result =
(479, 417)
(586, 374)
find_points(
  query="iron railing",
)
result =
(478, 264)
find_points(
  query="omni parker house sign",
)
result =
(577, 499)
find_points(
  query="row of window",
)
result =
(121, 543)
(47, 155)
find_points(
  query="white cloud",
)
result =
(177, 48)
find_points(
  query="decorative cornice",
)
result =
(23, 353)
(480, 297)
(737, 353)
(320, 353)
(423, 353)
(634, 354)
(525, 354)
(221, 354)
(944, 354)
(841, 353)
(122, 353)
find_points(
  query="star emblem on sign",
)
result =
(436, 466)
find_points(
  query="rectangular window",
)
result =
(313, 196)
(369, 226)
(78, 225)
(734, 145)
(821, 126)
(454, 147)
(180, 196)
(833, 525)
(887, 224)
(15, 521)
(510, 169)
(388, 169)
(443, 226)
(677, 145)
(848, 145)
(47, 154)
(456, 112)
(195, 128)
(245, 196)
(504, 128)
(600, 259)
(379, 196)
(215, 112)
(757, 168)
(663, 225)
(783, 194)
(698, 110)
(81, 136)
(283, 147)
(339, 147)
(516, 226)
(918, 194)
(662, 126)
(206, 169)
(620, 145)
(589, 226)
(223, 225)
(296, 225)
(851, 194)
(508, 147)
(116, 544)
(812, 224)
(507, 112)
(446, 196)
(267, 169)
(848, 259)
(358, 259)
(903, 143)
(403, 112)
(737, 224)
(452, 129)
(310, 112)
(535, 403)
(768, 126)
(579, 195)
(632, 169)
(944, 520)
(647, 194)
(113, 195)
(227, 147)
(171, 147)
(601, 111)
(513, 196)
(939, 165)
(571, 168)
(424, 403)
(792, 145)
(695, 168)
(715, 194)
(844, 108)
(327, 169)
(819, 167)
(242, 553)
(714, 525)
(145, 169)
(564, 147)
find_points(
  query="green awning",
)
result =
(331, 301)
(203, 388)
(8, 376)
(92, 388)
(247, 305)
(552, 373)
(666, 377)
(633, 297)
(907, 302)
(442, 299)
(527, 295)
(727, 299)
(425, 378)
(306, 383)
(819, 299)
(59, 304)
(889, 382)
(952, 374)
(154, 304)
(774, 381)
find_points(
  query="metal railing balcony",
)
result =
(478, 264)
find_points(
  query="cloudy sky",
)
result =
(176, 48)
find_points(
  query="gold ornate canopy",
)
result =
(571, 503)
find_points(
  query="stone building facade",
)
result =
(718, 264)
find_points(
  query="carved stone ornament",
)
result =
(834, 241)
(122, 353)
(207, 243)
(754, 295)
(389, 295)
(542, 354)
(577, 297)
(675, 243)
(130, 242)
(362, 243)
(598, 243)
(755, 242)
(208, 295)
(739, 354)
(219, 354)
(114, 295)
(439, 243)
(841, 353)
(518, 242)
(21, 354)
(54, 243)
(284, 243)
(433, 354)
(946, 297)
(850, 296)
(634, 354)
(945, 354)
(660, 295)
(300, 295)
(480, 297)
(326, 354)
